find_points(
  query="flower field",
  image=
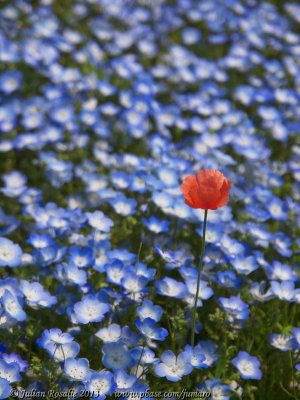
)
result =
(149, 199)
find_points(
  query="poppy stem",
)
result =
(198, 279)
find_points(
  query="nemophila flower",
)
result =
(115, 272)
(168, 176)
(15, 358)
(36, 295)
(100, 384)
(163, 200)
(282, 244)
(8, 223)
(235, 306)
(129, 337)
(280, 271)
(172, 367)
(10, 371)
(213, 233)
(282, 342)
(40, 241)
(122, 254)
(123, 205)
(170, 287)
(10, 253)
(149, 310)
(10, 81)
(278, 209)
(62, 352)
(123, 380)
(228, 279)
(148, 328)
(15, 184)
(134, 283)
(247, 366)
(208, 189)
(5, 388)
(296, 333)
(156, 225)
(195, 356)
(257, 213)
(54, 337)
(168, 256)
(258, 291)
(99, 221)
(284, 290)
(90, 309)
(81, 256)
(216, 389)
(77, 369)
(70, 274)
(244, 265)
(209, 349)
(120, 179)
(110, 334)
(143, 355)
(116, 356)
(13, 306)
(142, 270)
(205, 291)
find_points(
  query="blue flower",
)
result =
(10, 81)
(115, 272)
(148, 328)
(13, 306)
(149, 310)
(10, 371)
(216, 390)
(77, 369)
(172, 367)
(134, 283)
(123, 381)
(235, 306)
(244, 265)
(296, 332)
(90, 309)
(123, 205)
(247, 366)
(99, 221)
(144, 355)
(10, 253)
(282, 342)
(36, 295)
(15, 358)
(40, 241)
(280, 271)
(195, 356)
(59, 345)
(156, 225)
(228, 279)
(278, 209)
(80, 256)
(205, 292)
(213, 233)
(110, 334)
(100, 384)
(170, 287)
(116, 356)
(70, 274)
(284, 290)
(5, 388)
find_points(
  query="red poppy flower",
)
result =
(208, 189)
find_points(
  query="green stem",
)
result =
(198, 279)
